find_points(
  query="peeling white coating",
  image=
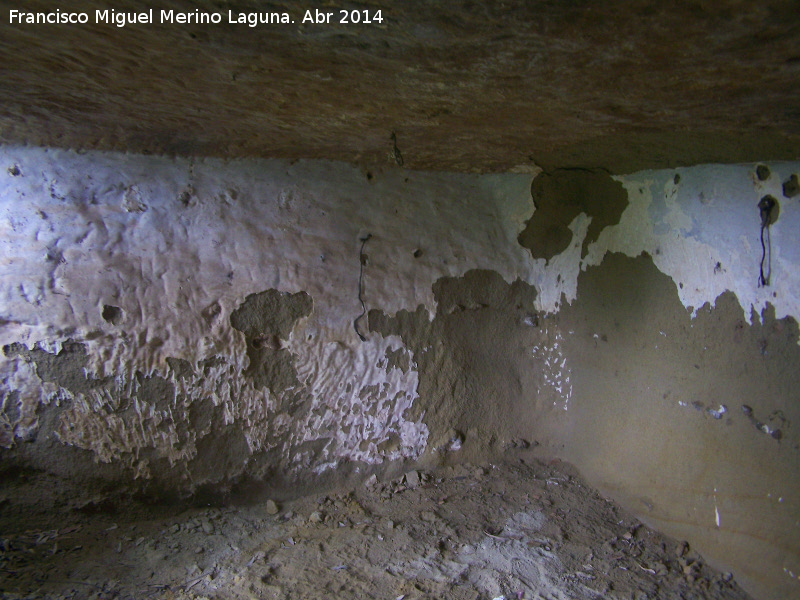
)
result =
(18, 375)
(559, 276)
(178, 245)
(335, 373)
(704, 232)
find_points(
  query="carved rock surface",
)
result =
(466, 86)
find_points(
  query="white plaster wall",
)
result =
(711, 216)
(709, 476)
(166, 240)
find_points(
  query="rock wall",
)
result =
(194, 322)
(464, 86)
(180, 325)
(683, 365)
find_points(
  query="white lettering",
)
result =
(190, 18)
(256, 19)
(318, 17)
(51, 18)
(120, 19)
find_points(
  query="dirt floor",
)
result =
(513, 529)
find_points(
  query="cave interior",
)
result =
(400, 300)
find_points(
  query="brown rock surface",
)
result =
(466, 86)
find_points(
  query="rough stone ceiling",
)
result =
(466, 85)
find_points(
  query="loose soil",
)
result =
(514, 528)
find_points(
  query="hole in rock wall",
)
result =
(112, 314)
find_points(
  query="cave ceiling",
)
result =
(465, 86)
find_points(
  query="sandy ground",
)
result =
(515, 529)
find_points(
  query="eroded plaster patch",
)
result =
(143, 260)
(561, 196)
(358, 430)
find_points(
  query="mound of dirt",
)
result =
(515, 529)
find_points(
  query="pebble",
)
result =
(273, 591)
(208, 527)
(427, 516)
(272, 508)
(315, 517)
(412, 479)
